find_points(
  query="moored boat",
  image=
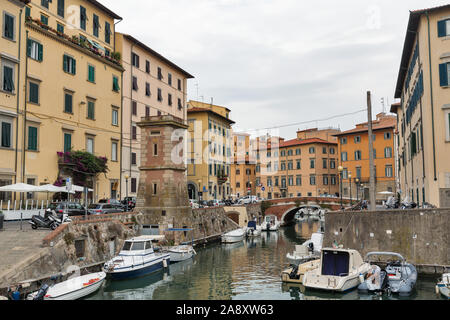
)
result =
(295, 273)
(339, 271)
(307, 251)
(137, 258)
(270, 223)
(253, 230)
(72, 289)
(181, 253)
(443, 286)
(234, 236)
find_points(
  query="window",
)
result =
(333, 180)
(33, 93)
(147, 111)
(332, 150)
(180, 105)
(332, 164)
(44, 3)
(114, 151)
(135, 84)
(95, 25)
(290, 165)
(357, 139)
(169, 98)
(298, 180)
(133, 158)
(312, 150)
(61, 8)
(8, 77)
(116, 87)
(325, 163)
(291, 180)
(59, 28)
(135, 60)
(387, 136)
(27, 11)
(324, 150)
(90, 145)
(283, 166)
(312, 180)
(160, 99)
(147, 66)
(34, 50)
(68, 101)
(147, 89)
(389, 171)
(388, 152)
(444, 74)
(133, 185)
(179, 84)
(374, 153)
(343, 140)
(312, 163)
(169, 79)
(325, 180)
(6, 134)
(44, 19)
(444, 28)
(134, 108)
(344, 156)
(298, 152)
(67, 142)
(358, 172)
(160, 77)
(299, 164)
(358, 155)
(290, 152)
(107, 32)
(115, 117)
(69, 64)
(345, 174)
(155, 150)
(91, 110)
(91, 73)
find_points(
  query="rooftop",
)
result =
(383, 121)
(105, 9)
(198, 110)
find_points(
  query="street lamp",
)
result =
(350, 179)
(341, 169)
(126, 187)
(357, 189)
(199, 190)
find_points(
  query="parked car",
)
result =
(71, 208)
(103, 208)
(131, 201)
(114, 202)
(193, 204)
(247, 200)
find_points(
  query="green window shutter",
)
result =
(116, 84)
(34, 92)
(65, 63)
(60, 28)
(74, 66)
(40, 52)
(27, 11)
(9, 27)
(67, 142)
(68, 103)
(8, 81)
(82, 18)
(29, 43)
(61, 8)
(6, 135)
(91, 110)
(442, 29)
(91, 72)
(32, 138)
(443, 74)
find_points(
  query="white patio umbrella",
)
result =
(387, 193)
(19, 187)
(52, 188)
(80, 189)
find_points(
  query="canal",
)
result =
(247, 270)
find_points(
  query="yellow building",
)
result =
(11, 95)
(242, 177)
(209, 151)
(69, 88)
(152, 85)
(423, 115)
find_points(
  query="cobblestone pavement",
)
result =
(17, 245)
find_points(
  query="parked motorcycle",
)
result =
(392, 203)
(406, 204)
(49, 221)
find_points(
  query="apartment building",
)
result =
(354, 158)
(209, 154)
(423, 114)
(243, 167)
(152, 86)
(69, 92)
(302, 167)
(11, 97)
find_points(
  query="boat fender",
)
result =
(194, 251)
(165, 263)
(437, 290)
(361, 278)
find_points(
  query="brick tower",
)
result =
(162, 194)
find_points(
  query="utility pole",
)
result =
(371, 161)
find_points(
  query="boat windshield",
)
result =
(335, 263)
(127, 246)
(138, 246)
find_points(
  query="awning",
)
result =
(96, 45)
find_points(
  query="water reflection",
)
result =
(247, 270)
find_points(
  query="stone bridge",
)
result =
(286, 208)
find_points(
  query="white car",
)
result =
(194, 204)
(248, 200)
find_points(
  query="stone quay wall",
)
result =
(420, 236)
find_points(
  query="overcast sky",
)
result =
(279, 62)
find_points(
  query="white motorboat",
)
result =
(74, 288)
(137, 258)
(181, 253)
(270, 223)
(339, 271)
(234, 236)
(253, 230)
(443, 287)
(307, 251)
(295, 273)
(311, 210)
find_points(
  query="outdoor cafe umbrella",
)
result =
(19, 187)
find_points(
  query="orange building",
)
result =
(242, 176)
(354, 158)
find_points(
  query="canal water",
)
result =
(247, 270)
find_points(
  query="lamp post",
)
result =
(357, 189)
(340, 169)
(126, 191)
(199, 190)
(350, 179)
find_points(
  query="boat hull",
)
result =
(138, 271)
(232, 239)
(348, 284)
(84, 292)
(176, 256)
